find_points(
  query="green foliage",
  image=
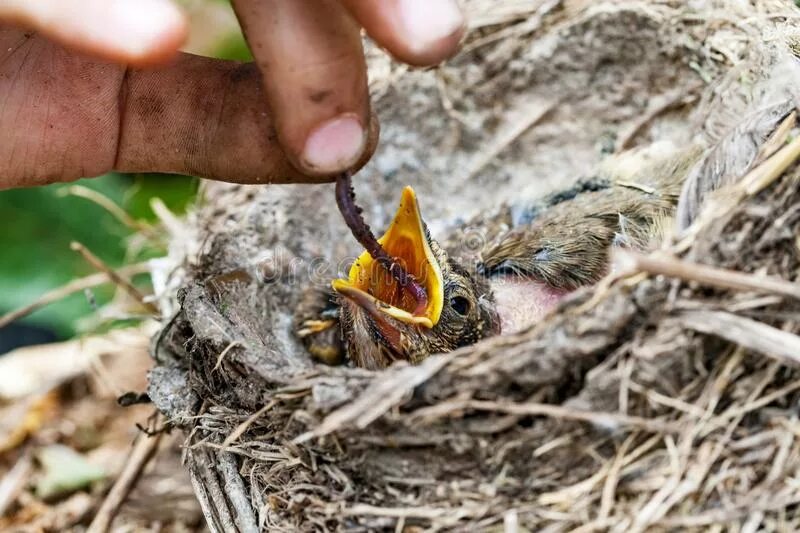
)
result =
(235, 47)
(65, 471)
(41, 222)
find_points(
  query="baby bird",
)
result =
(376, 319)
(555, 247)
(534, 257)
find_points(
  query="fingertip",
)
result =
(315, 84)
(431, 55)
(334, 146)
(145, 32)
(429, 32)
(139, 32)
(416, 32)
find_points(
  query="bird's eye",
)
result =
(460, 305)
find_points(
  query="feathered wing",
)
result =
(737, 150)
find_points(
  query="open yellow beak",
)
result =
(373, 287)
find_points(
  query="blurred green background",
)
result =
(40, 223)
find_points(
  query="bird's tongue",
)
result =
(522, 303)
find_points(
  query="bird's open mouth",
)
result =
(373, 288)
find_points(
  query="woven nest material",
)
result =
(664, 398)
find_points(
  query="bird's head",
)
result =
(377, 315)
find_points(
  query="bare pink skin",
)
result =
(521, 303)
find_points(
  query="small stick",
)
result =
(762, 176)
(118, 280)
(706, 275)
(604, 419)
(520, 121)
(745, 332)
(345, 199)
(109, 205)
(72, 287)
(12, 484)
(778, 138)
(143, 451)
(668, 102)
(224, 352)
(241, 428)
(236, 495)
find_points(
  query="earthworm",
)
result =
(346, 200)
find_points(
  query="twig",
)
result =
(667, 103)
(612, 479)
(751, 334)
(203, 499)
(143, 451)
(72, 287)
(461, 511)
(664, 265)
(14, 481)
(118, 280)
(544, 409)
(173, 224)
(501, 13)
(515, 29)
(559, 411)
(116, 211)
(526, 118)
(207, 486)
(753, 405)
(570, 493)
(241, 428)
(236, 493)
(223, 353)
(744, 507)
(384, 393)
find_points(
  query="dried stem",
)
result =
(345, 199)
(118, 280)
(13, 482)
(143, 451)
(716, 277)
(751, 334)
(115, 210)
(72, 287)
(603, 419)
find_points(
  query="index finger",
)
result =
(315, 80)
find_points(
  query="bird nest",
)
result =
(664, 397)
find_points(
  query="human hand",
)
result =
(69, 107)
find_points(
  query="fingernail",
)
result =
(145, 23)
(427, 22)
(335, 145)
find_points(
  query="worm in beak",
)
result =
(380, 291)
